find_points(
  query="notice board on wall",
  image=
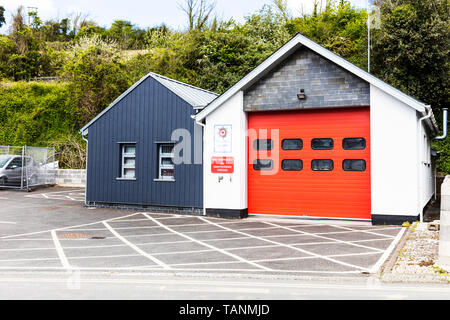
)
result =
(222, 138)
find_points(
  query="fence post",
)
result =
(21, 171)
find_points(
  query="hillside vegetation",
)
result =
(92, 65)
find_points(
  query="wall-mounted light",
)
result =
(301, 95)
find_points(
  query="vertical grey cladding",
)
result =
(325, 84)
(148, 114)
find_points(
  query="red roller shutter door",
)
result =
(319, 180)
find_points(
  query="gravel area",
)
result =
(419, 254)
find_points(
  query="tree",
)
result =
(282, 7)
(18, 24)
(412, 48)
(2, 16)
(198, 13)
(339, 27)
(96, 76)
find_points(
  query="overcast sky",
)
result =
(144, 13)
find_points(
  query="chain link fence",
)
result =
(27, 167)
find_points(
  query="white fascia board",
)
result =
(288, 48)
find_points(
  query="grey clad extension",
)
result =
(131, 147)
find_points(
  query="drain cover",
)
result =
(74, 235)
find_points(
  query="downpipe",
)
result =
(203, 160)
(444, 134)
(87, 155)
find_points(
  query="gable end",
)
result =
(325, 85)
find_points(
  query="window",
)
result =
(354, 165)
(292, 165)
(166, 169)
(292, 144)
(128, 162)
(354, 143)
(322, 144)
(263, 144)
(322, 165)
(15, 163)
(262, 164)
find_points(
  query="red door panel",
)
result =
(336, 193)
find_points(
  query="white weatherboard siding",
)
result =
(394, 155)
(231, 191)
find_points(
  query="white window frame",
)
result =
(124, 166)
(162, 166)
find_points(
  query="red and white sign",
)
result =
(222, 164)
(223, 132)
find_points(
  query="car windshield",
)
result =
(4, 160)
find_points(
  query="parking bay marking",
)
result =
(60, 250)
(327, 238)
(289, 246)
(208, 245)
(66, 228)
(135, 248)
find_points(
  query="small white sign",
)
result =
(222, 138)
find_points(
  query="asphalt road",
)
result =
(162, 287)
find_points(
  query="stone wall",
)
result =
(325, 85)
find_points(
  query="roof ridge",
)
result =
(182, 83)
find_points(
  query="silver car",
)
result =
(14, 169)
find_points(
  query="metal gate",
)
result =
(27, 167)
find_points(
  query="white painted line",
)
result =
(30, 259)
(388, 251)
(272, 260)
(66, 228)
(207, 245)
(174, 242)
(153, 269)
(326, 238)
(106, 256)
(367, 231)
(30, 239)
(301, 233)
(7, 222)
(130, 220)
(328, 256)
(60, 251)
(289, 246)
(135, 248)
(3, 198)
(26, 249)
